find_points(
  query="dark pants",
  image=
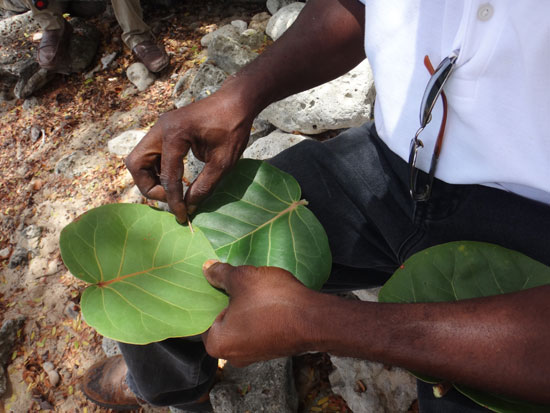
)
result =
(358, 189)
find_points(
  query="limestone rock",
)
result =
(123, 144)
(259, 21)
(388, 390)
(110, 347)
(342, 103)
(228, 54)
(198, 84)
(79, 162)
(273, 6)
(138, 74)
(8, 336)
(252, 38)
(266, 387)
(240, 25)
(228, 30)
(271, 145)
(283, 19)
(192, 167)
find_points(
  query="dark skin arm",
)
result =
(326, 42)
(499, 344)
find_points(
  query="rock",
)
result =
(138, 74)
(252, 38)
(342, 103)
(5, 253)
(107, 59)
(271, 145)
(260, 128)
(48, 366)
(54, 378)
(110, 347)
(229, 55)
(240, 25)
(83, 45)
(71, 310)
(30, 103)
(129, 92)
(259, 22)
(19, 257)
(123, 144)
(36, 132)
(273, 6)
(132, 196)
(32, 231)
(198, 84)
(192, 167)
(228, 30)
(387, 389)
(32, 80)
(8, 336)
(283, 19)
(266, 387)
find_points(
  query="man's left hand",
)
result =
(265, 316)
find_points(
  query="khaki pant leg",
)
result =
(50, 18)
(130, 18)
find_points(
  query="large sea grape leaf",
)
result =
(462, 270)
(256, 217)
(145, 272)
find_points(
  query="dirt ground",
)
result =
(73, 113)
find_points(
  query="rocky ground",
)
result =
(55, 166)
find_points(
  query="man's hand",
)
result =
(215, 128)
(264, 319)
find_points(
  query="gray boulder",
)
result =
(273, 6)
(138, 74)
(123, 144)
(271, 145)
(283, 19)
(8, 336)
(228, 54)
(261, 387)
(228, 30)
(197, 84)
(342, 103)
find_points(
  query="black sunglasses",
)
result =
(434, 89)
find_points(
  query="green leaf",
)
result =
(462, 270)
(146, 273)
(145, 270)
(256, 217)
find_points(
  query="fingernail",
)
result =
(207, 264)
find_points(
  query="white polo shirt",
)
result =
(498, 126)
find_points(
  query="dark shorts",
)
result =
(358, 189)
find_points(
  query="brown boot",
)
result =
(105, 384)
(52, 50)
(151, 55)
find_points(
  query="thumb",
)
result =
(219, 274)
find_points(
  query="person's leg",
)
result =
(137, 35)
(130, 18)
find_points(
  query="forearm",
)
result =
(325, 42)
(500, 344)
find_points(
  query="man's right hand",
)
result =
(215, 128)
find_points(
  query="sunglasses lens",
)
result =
(434, 88)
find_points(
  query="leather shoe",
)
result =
(151, 55)
(53, 47)
(105, 384)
